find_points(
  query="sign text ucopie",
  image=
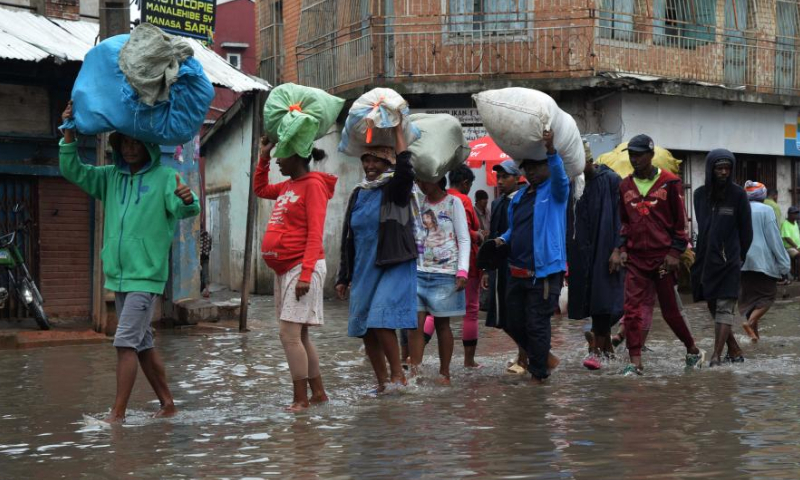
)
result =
(188, 18)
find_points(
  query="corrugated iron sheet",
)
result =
(30, 37)
(221, 73)
(43, 34)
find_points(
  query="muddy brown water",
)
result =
(730, 422)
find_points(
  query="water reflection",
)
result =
(731, 422)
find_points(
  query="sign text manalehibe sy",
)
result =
(188, 18)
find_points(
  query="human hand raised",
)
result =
(183, 192)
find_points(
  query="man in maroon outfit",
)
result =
(653, 238)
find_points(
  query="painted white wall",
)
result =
(702, 125)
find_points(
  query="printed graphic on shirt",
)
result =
(644, 206)
(281, 205)
(437, 237)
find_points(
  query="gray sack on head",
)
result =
(150, 61)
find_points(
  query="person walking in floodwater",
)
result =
(143, 201)
(379, 257)
(496, 280)
(653, 237)
(596, 285)
(292, 247)
(767, 262)
(725, 232)
(442, 271)
(461, 179)
(536, 239)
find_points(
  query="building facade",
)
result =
(235, 41)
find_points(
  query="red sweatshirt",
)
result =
(294, 232)
(653, 226)
(474, 225)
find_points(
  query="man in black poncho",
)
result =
(725, 232)
(595, 286)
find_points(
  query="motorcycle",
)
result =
(19, 278)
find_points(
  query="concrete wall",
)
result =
(701, 125)
(227, 156)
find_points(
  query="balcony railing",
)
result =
(561, 39)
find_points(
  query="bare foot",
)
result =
(750, 332)
(114, 419)
(472, 364)
(400, 380)
(297, 407)
(443, 380)
(318, 398)
(379, 389)
(166, 411)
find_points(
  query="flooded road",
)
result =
(730, 422)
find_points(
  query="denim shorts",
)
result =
(437, 295)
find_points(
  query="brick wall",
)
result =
(64, 248)
(291, 22)
(567, 41)
(66, 9)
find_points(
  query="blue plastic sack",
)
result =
(103, 100)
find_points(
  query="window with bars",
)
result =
(786, 59)
(736, 48)
(617, 19)
(489, 17)
(684, 23)
(271, 30)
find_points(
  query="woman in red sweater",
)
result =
(292, 247)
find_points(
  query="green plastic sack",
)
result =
(295, 116)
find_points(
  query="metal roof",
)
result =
(33, 38)
(44, 38)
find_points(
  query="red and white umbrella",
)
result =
(484, 151)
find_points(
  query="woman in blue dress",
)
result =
(378, 258)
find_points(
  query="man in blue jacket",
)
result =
(537, 255)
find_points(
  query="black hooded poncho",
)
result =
(724, 235)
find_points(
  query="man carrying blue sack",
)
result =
(536, 238)
(143, 201)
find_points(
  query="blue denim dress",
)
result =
(379, 297)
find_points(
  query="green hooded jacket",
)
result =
(141, 212)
